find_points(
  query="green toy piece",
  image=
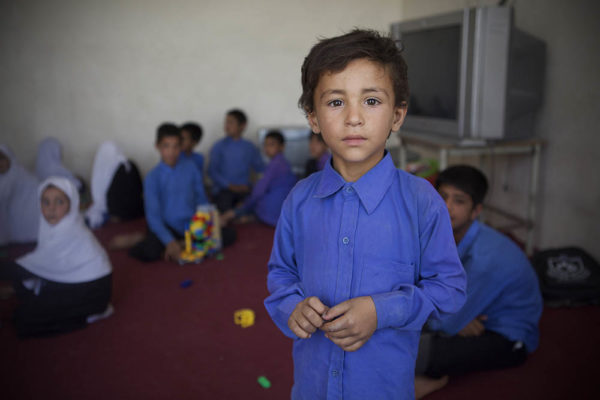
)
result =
(220, 256)
(264, 382)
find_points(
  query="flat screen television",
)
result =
(472, 74)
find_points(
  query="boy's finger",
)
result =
(337, 310)
(311, 315)
(316, 305)
(297, 329)
(338, 325)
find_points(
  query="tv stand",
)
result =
(449, 147)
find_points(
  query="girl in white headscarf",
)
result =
(19, 209)
(116, 187)
(67, 279)
(49, 162)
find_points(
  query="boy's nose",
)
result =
(353, 115)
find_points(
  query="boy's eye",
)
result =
(372, 101)
(335, 103)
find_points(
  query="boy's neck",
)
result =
(351, 172)
(187, 152)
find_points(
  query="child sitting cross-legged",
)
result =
(272, 188)
(66, 281)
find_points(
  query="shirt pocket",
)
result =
(384, 276)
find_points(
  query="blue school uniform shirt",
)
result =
(270, 191)
(388, 236)
(171, 195)
(196, 158)
(501, 284)
(231, 161)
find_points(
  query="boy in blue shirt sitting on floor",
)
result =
(363, 253)
(272, 188)
(231, 160)
(172, 191)
(191, 134)
(498, 325)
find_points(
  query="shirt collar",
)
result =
(465, 244)
(370, 188)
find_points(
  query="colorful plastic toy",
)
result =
(203, 235)
(264, 382)
(244, 317)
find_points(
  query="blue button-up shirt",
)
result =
(271, 190)
(501, 284)
(388, 236)
(171, 195)
(196, 158)
(231, 161)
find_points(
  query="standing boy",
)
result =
(172, 191)
(363, 253)
(272, 188)
(191, 134)
(498, 325)
(231, 160)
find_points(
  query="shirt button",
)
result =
(345, 240)
(349, 189)
(334, 373)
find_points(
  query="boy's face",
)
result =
(169, 148)
(272, 147)
(460, 207)
(355, 112)
(55, 205)
(232, 127)
(4, 163)
(187, 143)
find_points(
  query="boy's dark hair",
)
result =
(239, 115)
(316, 136)
(466, 178)
(334, 54)
(277, 135)
(166, 130)
(194, 129)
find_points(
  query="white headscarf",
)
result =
(67, 252)
(19, 208)
(108, 159)
(49, 162)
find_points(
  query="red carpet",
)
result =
(165, 342)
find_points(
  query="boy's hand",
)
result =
(173, 251)
(356, 323)
(473, 328)
(306, 317)
(227, 216)
(239, 188)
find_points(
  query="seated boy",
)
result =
(363, 253)
(319, 154)
(172, 191)
(191, 134)
(231, 160)
(498, 325)
(273, 187)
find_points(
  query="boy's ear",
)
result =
(476, 211)
(399, 115)
(313, 122)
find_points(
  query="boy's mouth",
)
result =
(354, 140)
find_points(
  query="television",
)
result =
(296, 145)
(473, 76)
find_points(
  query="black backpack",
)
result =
(568, 277)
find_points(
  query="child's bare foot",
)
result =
(425, 385)
(125, 240)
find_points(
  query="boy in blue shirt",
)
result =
(191, 134)
(498, 325)
(172, 191)
(231, 160)
(272, 188)
(363, 253)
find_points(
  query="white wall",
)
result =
(569, 121)
(88, 71)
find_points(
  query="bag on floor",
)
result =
(568, 277)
